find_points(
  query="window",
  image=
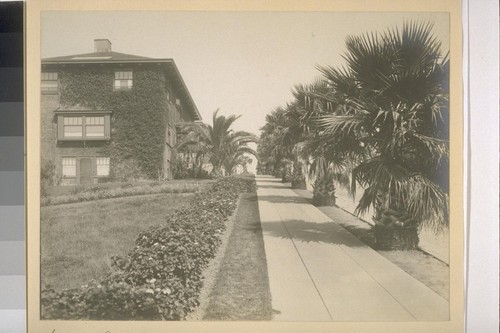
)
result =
(69, 167)
(94, 127)
(73, 127)
(102, 166)
(79, 127)
(49, 82)
(123, 80)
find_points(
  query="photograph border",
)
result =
(34, 9)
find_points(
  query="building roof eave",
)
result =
(81, 111)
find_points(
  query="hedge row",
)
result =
(161, 278)
(98, 193)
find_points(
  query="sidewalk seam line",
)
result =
(341, 247)
(345, 250)
(307, 270)
(357, 263)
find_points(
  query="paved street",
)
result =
(318, 271)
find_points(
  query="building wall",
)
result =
(48, 139)
(79, 150)
(140, 123)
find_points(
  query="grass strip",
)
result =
(241, 290)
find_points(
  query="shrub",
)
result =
(47, 176)
(126, 170)
(161, 278)
(182, 170)
(81, 193)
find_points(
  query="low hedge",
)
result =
(99, 193)
(161, 278)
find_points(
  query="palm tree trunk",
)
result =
(286, 173)
(216, 172)
(394, 229)
(324, 191)
(396, 238)
(298, 178)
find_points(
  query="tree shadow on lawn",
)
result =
(325, 232)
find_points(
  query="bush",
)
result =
(161, 278)
(126, 170)
(181, 170)
(81, 193)
(47, 176)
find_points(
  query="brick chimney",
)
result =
(102, 45)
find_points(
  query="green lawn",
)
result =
(77, 240)
(241, 289)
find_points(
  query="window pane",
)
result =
(69, 167)
(73, 121)
(49, 81)
(123, 75)
(123, 84)
(49, 86)
(94, 120)
(102, 160)
(69, 161)
(123, 80)
(94, 130)
(49, 76)
(73, 131)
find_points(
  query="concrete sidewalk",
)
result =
(318, 271)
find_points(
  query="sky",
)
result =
(243, 63)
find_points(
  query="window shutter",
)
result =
(107, 126)
(60, 127)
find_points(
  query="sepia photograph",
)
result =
(247, 166)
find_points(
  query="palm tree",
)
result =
(219, 143)
(392, 99)
(330, 159)
(237, 151)
(274, 146)
(289, 139)
(296, 130)
(190, 154)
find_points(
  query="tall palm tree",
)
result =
(274, 144)
(219, 142)
(237, 151)
(392, 98)
(330, 159)
(190, 154)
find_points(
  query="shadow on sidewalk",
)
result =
(283, 199)
(283, 187)
(326, 232)
(268, 179)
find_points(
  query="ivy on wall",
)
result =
(138, 121)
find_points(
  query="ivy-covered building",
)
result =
(111, 116)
